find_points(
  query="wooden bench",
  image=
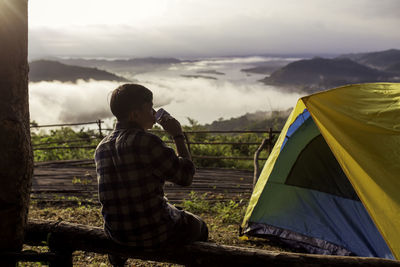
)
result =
(65, 238)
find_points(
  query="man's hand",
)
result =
(171, 125)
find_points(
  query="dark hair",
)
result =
(128, 97)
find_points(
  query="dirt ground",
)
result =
(220, 232)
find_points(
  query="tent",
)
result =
(331, 184)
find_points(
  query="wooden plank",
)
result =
(57, 177)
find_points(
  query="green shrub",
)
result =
(60, 137)
(196, 204)
(229, 212)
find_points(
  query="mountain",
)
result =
(261, 69)
(379, 60)
(267, 67)
(316, 74)
(395, 68)
(133, 65)
(260, 120)
(46, 70)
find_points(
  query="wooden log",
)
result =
(68, 237)
(31, 256)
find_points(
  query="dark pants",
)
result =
(190, 228)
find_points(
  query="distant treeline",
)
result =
(252, 121)
(47, 70)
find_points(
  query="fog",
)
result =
(220, 90)
(54, 102)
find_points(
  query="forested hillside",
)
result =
(46, 70)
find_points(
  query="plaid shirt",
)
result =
(132, 166)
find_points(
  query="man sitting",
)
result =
(132, 166)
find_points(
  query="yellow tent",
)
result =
(361, 126)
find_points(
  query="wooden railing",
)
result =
(265, 144)
(98, 122)
(269, 140)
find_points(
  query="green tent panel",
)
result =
(331, 184)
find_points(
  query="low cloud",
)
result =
(206, 104)
(204, 100)
(52, 102)
(200, 99)
(207, 100)
(83, 101)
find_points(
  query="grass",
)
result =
(223, 220)
(230, 212)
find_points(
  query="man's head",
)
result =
(133, 102)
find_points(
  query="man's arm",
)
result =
(174, 128)
(181, 147)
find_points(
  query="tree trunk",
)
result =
(16, 163)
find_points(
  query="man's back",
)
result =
(132, 166)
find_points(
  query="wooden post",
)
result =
(16, 164)
(187, 142)
(256, 155)
(99, 124)
(266, 143)
(270, 140)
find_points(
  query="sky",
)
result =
(201, 28)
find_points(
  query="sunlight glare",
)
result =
(50, 13)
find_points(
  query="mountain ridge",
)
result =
(316, 74)
(47, 70)
(259, 120)
(136, 65)
(380, 60)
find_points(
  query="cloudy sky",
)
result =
(190, 28)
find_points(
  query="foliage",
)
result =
(61, 138)
(230, 212)
(84, 142)
(196, 204)
(239, 149)
(253, 121)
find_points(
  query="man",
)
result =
(132, 166)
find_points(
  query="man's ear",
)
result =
(133, 115)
